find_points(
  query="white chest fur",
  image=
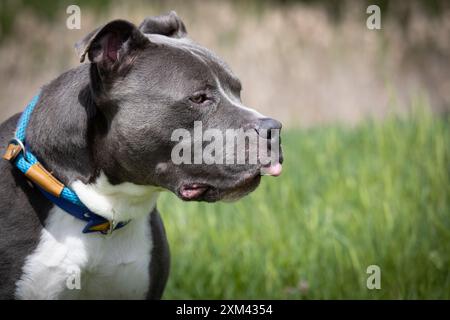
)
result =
(69, 264)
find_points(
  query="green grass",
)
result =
(348, 198)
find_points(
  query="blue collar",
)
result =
(62, 196)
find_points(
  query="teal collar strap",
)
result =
(50, 187)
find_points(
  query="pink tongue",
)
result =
(273, 170)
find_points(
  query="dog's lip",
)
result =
(193, 191)
(205, 191)
(248, 180)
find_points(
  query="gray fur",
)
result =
(22, 215)
(116, 115)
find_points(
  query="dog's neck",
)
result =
(120, 202)
(59, 129)
(60, 134)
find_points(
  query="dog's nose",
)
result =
(265, 126)
(269, 129)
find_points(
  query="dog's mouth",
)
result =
(210, 193)
(194, 191)
(199, 191)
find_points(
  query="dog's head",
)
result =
(167, 110)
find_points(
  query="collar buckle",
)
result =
(111, 227)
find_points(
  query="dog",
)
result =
(101, 134)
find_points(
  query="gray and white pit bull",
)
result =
(104, 129)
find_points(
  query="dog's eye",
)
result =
(199, 98)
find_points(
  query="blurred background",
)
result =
(366, 138)
(305, 62)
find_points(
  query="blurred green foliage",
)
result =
(395, 7)
(47, 9)
(44, 9)
(377, 194)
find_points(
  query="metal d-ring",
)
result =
(112, 226)
(20, 143)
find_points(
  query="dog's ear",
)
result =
(169, 25)
(113, 46)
